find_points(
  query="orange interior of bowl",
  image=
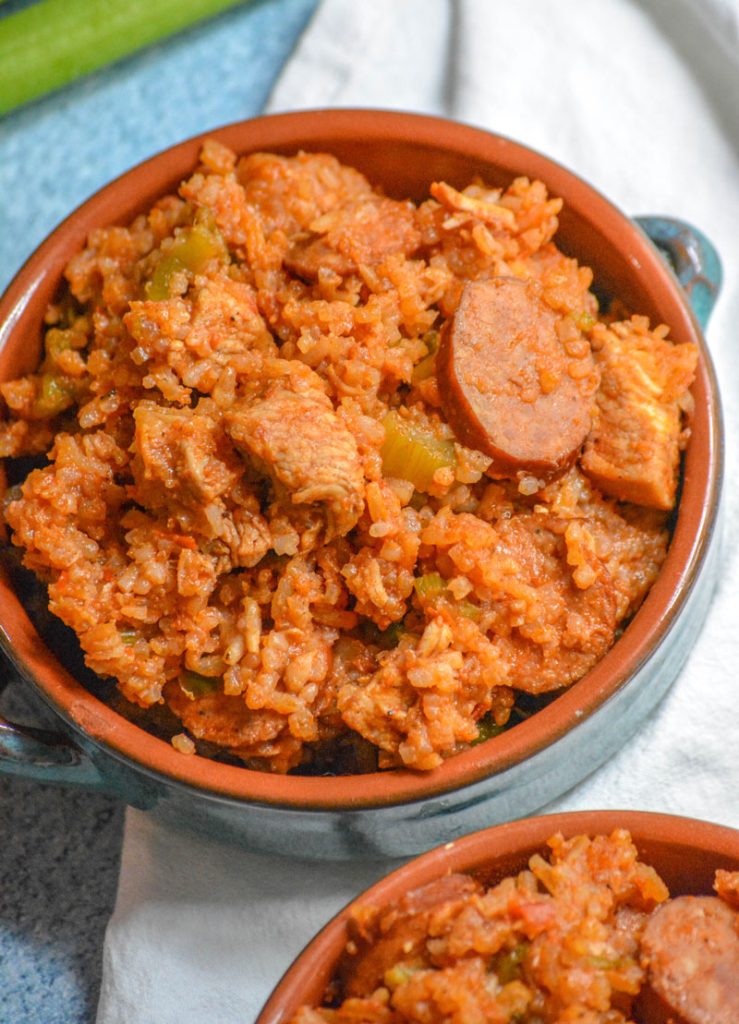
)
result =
(403, 153)
(685, 852)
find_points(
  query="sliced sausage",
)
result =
(562, 630)
(509, 385)
(398, 934)
(691, 949)
(261, 735)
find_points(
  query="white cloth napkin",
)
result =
(642, 100)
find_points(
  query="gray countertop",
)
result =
(58, 873)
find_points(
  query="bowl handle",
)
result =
(48, 757)
(36, 753)
(45, 756)
(692, 257)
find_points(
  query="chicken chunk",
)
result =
(552, 629)
(181, 455)
(297, 439)
(633, 450)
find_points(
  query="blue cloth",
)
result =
(59, 850)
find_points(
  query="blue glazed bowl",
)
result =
(394, 813)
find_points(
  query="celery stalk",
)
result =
(412, 452)
(44, 46)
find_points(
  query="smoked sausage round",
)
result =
(691, 949)
(399, 933)
(514, 382)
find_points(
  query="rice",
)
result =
(254, 510)
(578, 935)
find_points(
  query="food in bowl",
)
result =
(337, 478)
(587, 933)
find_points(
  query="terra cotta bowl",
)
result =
(399, 812)
(684, 852)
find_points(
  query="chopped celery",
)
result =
(429, 586)
(384, 638)
(398, 975)
(431, 341)
(425, 369)
(603, 963)
(195, 685)
(507, 965)
(487, 729)
(469, 610)
(586, 322)
(432, 585)
(191, 250)
(198, 244)
(427, 366)
(157, 287)
(412, 453)
(55, 394)
(128, 637)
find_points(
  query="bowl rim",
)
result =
(647, 631)
(480, 850)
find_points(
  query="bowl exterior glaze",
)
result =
(685, 852)
(396, 813)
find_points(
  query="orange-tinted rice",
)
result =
(221, 521)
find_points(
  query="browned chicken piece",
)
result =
(633, 449)
(629, 540)
(398, 934)
(185, 464)
(225, 318)
(363, 231)
(179, 455)
(297, 439)
(691, 950)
